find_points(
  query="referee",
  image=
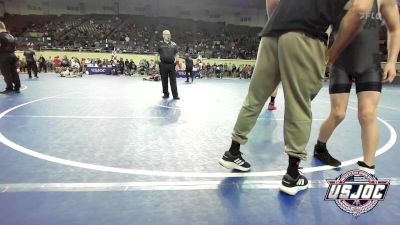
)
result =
(8, 61)
(168, 51)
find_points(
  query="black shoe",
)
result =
(177, 98)
(17, 91)
(6, 91)
(30, 77)
(291, 186)
(187, 81)
(231, 162)
(165, 96)
(326, 158)
(36, 77)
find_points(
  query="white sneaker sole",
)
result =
(231, 165)
(368, 170)
(292, 190)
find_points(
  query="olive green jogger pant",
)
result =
(298, 61)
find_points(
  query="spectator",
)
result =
(57, 64)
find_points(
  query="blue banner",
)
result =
(108, 71)
(182, 73)
(99, 70)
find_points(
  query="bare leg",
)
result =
(339, 104)
(367, 104)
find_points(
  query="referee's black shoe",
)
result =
(165, 96)
(6, 91)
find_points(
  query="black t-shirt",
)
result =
(29, 55)
(7, 43)
(167, 52)
(310, 16)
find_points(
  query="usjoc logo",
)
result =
(356, 192)
(96, 70)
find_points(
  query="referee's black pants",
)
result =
(168, 71)
(8, 67)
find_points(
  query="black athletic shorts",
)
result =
(340, 80)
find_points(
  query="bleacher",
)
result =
(137, 34)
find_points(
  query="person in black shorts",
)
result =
(360, 62)
(42, 64)
(189, 67)
(31, 62)
(8, 61)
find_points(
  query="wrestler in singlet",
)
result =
(360, 61)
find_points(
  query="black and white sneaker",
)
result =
(291, 185)
(364, 167)
(231, 162)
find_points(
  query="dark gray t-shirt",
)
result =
(189, 62)
(310, 16)
(29, 55)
